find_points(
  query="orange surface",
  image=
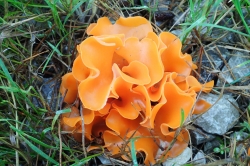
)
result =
(132, 83)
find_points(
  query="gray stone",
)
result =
(199, 137)
(221, 117)
(214, 56)
(222, 37)
(179, 160)
(104, 160)
(212, 59)
(199, 158)
(238, 72)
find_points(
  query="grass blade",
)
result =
(38, 151)
(58, 113)
(237, 5)
(7, 74)
(32, 138)
(243, 64)
(221, 27)
(56, 16)
(87, 159)
(182, 116)
(73, 10)
(133, 151)
(192, 25)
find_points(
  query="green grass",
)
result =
(38, 39)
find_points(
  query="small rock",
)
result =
(225, 38)
(214, 56)
(239, 72)
(179, 160)
(104, 160)
(221, 117)
(199, 158)
(212, 59)
(220, 35)
(199, 137)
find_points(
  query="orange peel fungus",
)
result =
(132, 83)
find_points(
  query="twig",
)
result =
(17, 127)
(83, 131)
(60, 143)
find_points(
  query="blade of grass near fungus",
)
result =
(133, 151)
(238, 79)
(58, 113)
(182, 116)
(55, 49)
(86, 159)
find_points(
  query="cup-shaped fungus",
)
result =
(133, 83)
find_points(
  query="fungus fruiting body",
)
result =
(132, 83)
